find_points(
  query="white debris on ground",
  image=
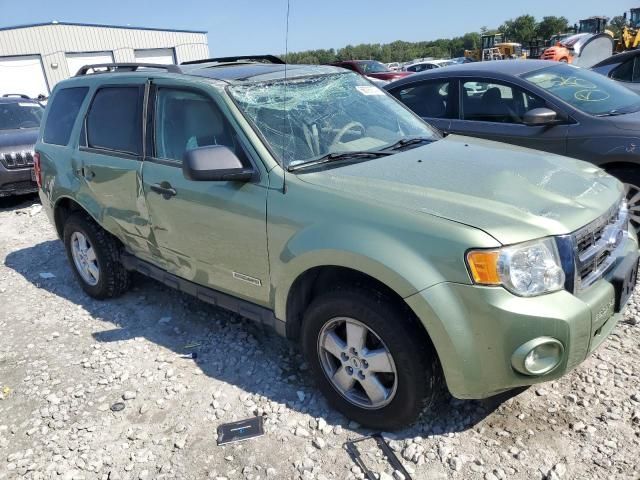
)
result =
(67, 361)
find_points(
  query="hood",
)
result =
(15, 140)
(513, 194)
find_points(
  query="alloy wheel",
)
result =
(357, 363)
(84, 258)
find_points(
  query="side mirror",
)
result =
(214, 163)
(540, 116)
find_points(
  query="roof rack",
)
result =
(19, 95)
(125, 67)
(254, 58)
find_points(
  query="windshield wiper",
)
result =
(339, 156)
(406, 142)
(612, 113)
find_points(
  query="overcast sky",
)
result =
(258, 26)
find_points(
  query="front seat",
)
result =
(493, 108)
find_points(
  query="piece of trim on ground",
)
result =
(354, 453)
(240, 430)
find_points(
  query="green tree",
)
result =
(550, 26)
(520, 29)
(617, 24)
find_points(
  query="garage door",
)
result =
(75, 61)
(163, 56)
(23, 74)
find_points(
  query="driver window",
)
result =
(497, 102)
(186, 120)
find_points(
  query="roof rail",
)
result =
(254, 58)
(19, 95)
(125, 67)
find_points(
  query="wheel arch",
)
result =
(65, 206)
(321, 278)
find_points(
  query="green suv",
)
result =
(309, 200)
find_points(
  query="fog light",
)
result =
(538, 357)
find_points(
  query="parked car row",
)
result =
(553, 107)
(400, 258)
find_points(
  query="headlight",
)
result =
(526, 269)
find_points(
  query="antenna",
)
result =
(284, 99)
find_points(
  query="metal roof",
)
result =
(617, 58)
(126, 27)
(495, 68)
(255, 72)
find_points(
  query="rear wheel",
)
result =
(369, 359)
(630, 176)
(94, 255)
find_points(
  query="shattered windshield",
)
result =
(585, 90)
(304, 119)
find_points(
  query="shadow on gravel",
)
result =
(18, 201)
(228, 347)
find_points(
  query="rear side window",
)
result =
(624, 72)
(63, 111)
(430, 99)
(114, 121)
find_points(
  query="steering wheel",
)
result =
(346, 129)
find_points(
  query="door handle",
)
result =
(86, 173)
(165, 189)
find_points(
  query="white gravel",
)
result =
(65, 359)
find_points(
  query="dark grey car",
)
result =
(622, 67)
(19, 124)
(537, 104)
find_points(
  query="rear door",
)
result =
(209, 232)
(494, 110)
(435, 101)
(109, 160)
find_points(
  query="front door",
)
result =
(109, 160)
(209, 232)
(433, 100)
(494, 110)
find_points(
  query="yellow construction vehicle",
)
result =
(630, 37)
(594, 25)
(494, 47)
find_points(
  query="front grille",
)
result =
(596, 245)
(15, 160)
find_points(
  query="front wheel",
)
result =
(370, 360)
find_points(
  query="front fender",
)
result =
(400, 264)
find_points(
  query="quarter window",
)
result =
(186, 120)
(496, 102)
(431, 99)
(114, 121)
(63, 111)
(626, 72)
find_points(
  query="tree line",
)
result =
(521, 29)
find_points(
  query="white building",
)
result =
(33, 58)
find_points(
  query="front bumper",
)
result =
(477, 329)
(16, 182)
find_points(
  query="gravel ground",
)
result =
(65, 359)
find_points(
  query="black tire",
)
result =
(418, 371)
(114, 279)
(630, 176)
